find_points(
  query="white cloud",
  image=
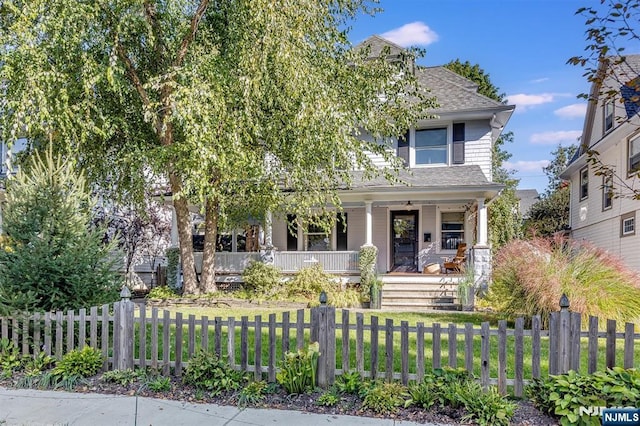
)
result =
(526, 166)
(412, 34)
(572, 111)
(540, 80)
(554, 138)
(523, 101)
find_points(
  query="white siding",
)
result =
(427, 250)
(279, 227)
(356, 224)
(477, 148)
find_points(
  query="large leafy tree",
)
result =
(52, 257)
(504, 217)
(231, 101)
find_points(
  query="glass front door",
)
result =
(404, 236)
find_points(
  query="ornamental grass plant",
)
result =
(530, 276)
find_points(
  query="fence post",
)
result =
(323, 327)
(564, 336)
(123, 350)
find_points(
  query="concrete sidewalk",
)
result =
(32, 407)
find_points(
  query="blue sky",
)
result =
(522, 44)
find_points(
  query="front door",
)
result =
(404, 236)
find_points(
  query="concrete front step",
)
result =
(423, 294)
(417, 307)
(391, 287)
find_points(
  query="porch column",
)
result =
(369, 223)
(482, 223)
(174, 228)
(268, 229)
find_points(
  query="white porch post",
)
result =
(268, 230)
(174, 228)
(482, 223)
(369, 223)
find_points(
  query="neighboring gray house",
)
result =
(450, 181)
(602, 210)
(526, 199)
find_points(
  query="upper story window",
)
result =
(431, 146)
(608, 115)
(584, 183)
(633, 164)
(607, 192)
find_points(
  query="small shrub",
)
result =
(207, 372)
(367, 258)
(298, 371)
(486, 408)
(253, 394)
(384, 398)
(121, 377)
(162, 292)
(439, 387)
(350, 383)
(79, 363)
(10, 358)
(564, 394)
(34, 366)
(159, 384)
(262, 279)
(329, 398)
(309, 282)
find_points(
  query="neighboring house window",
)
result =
(316, 238)
(458, 144)
(634, 155)
(452, 230)
(341, 232)
(608, 115)
(607, 192)
(628, 224)
(431, 146)
(584, 183)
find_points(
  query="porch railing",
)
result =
(331, 261)
(229, 263)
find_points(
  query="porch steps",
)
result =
(418, 292)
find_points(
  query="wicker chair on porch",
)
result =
(456, 264)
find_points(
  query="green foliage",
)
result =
(384, 398)
(262, 279)
(549, 215)
(173, 263)
(79, 363)
(10, 358)
(34, 366)
(367, 257)
(159, 384)
(253, 394)
(298, 370)
(486, 408)
(350, 382)
(162, 292)
(479, 76)
(329, 398)
(564, 394)
(561, 157)
(56, 260)
(207, 372)
(505, 220)
(121, 377)
(529, 277)
(309, 282)
(438, 387)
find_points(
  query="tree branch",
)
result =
(133, 74)
(151, 15)
(188, 38)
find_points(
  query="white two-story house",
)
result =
(603, 210)
(441, 202)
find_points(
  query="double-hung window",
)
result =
(628, 224)
(452, 230)
(633, 166)
(584, 183)
(607, 192)
(607, 110)
(431, 146)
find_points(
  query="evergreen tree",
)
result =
(51, 257)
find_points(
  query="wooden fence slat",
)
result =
(388, 334)
(142, 337)
(204, 333)
(373, 374)
(536, 326)
(231, 341)
(484, 355)
(435, 346)
(104, 336)
(93, 327)
(70, 330)
(257, 339)
(15, 332)
(25, 335)
(47, 334)
(217, 337)
(611, 344)
(628, 344)
(554, 346)
(116, 354)
(59, 334)
(286, 332)
(468, 349)
(419, 352)
(360, 343)
(345, 341)
(331, 345)
(154, 338)
(82, 328)
(191, 346)
(166, 338)
(502, 357)
(178, 345)
(518, 385)
(271, 369)
(300, 329)
(574, 336)
(453, 346)
(404, 352)
(592, 362)
(4, 325)
(37, 338)
(244, 343)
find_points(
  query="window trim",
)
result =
(608, 104)
(607, 193)
(415, 149)
(631, 171)
(461, 232)
(584, 183)
(623, 220)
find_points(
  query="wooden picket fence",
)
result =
(131, 335)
